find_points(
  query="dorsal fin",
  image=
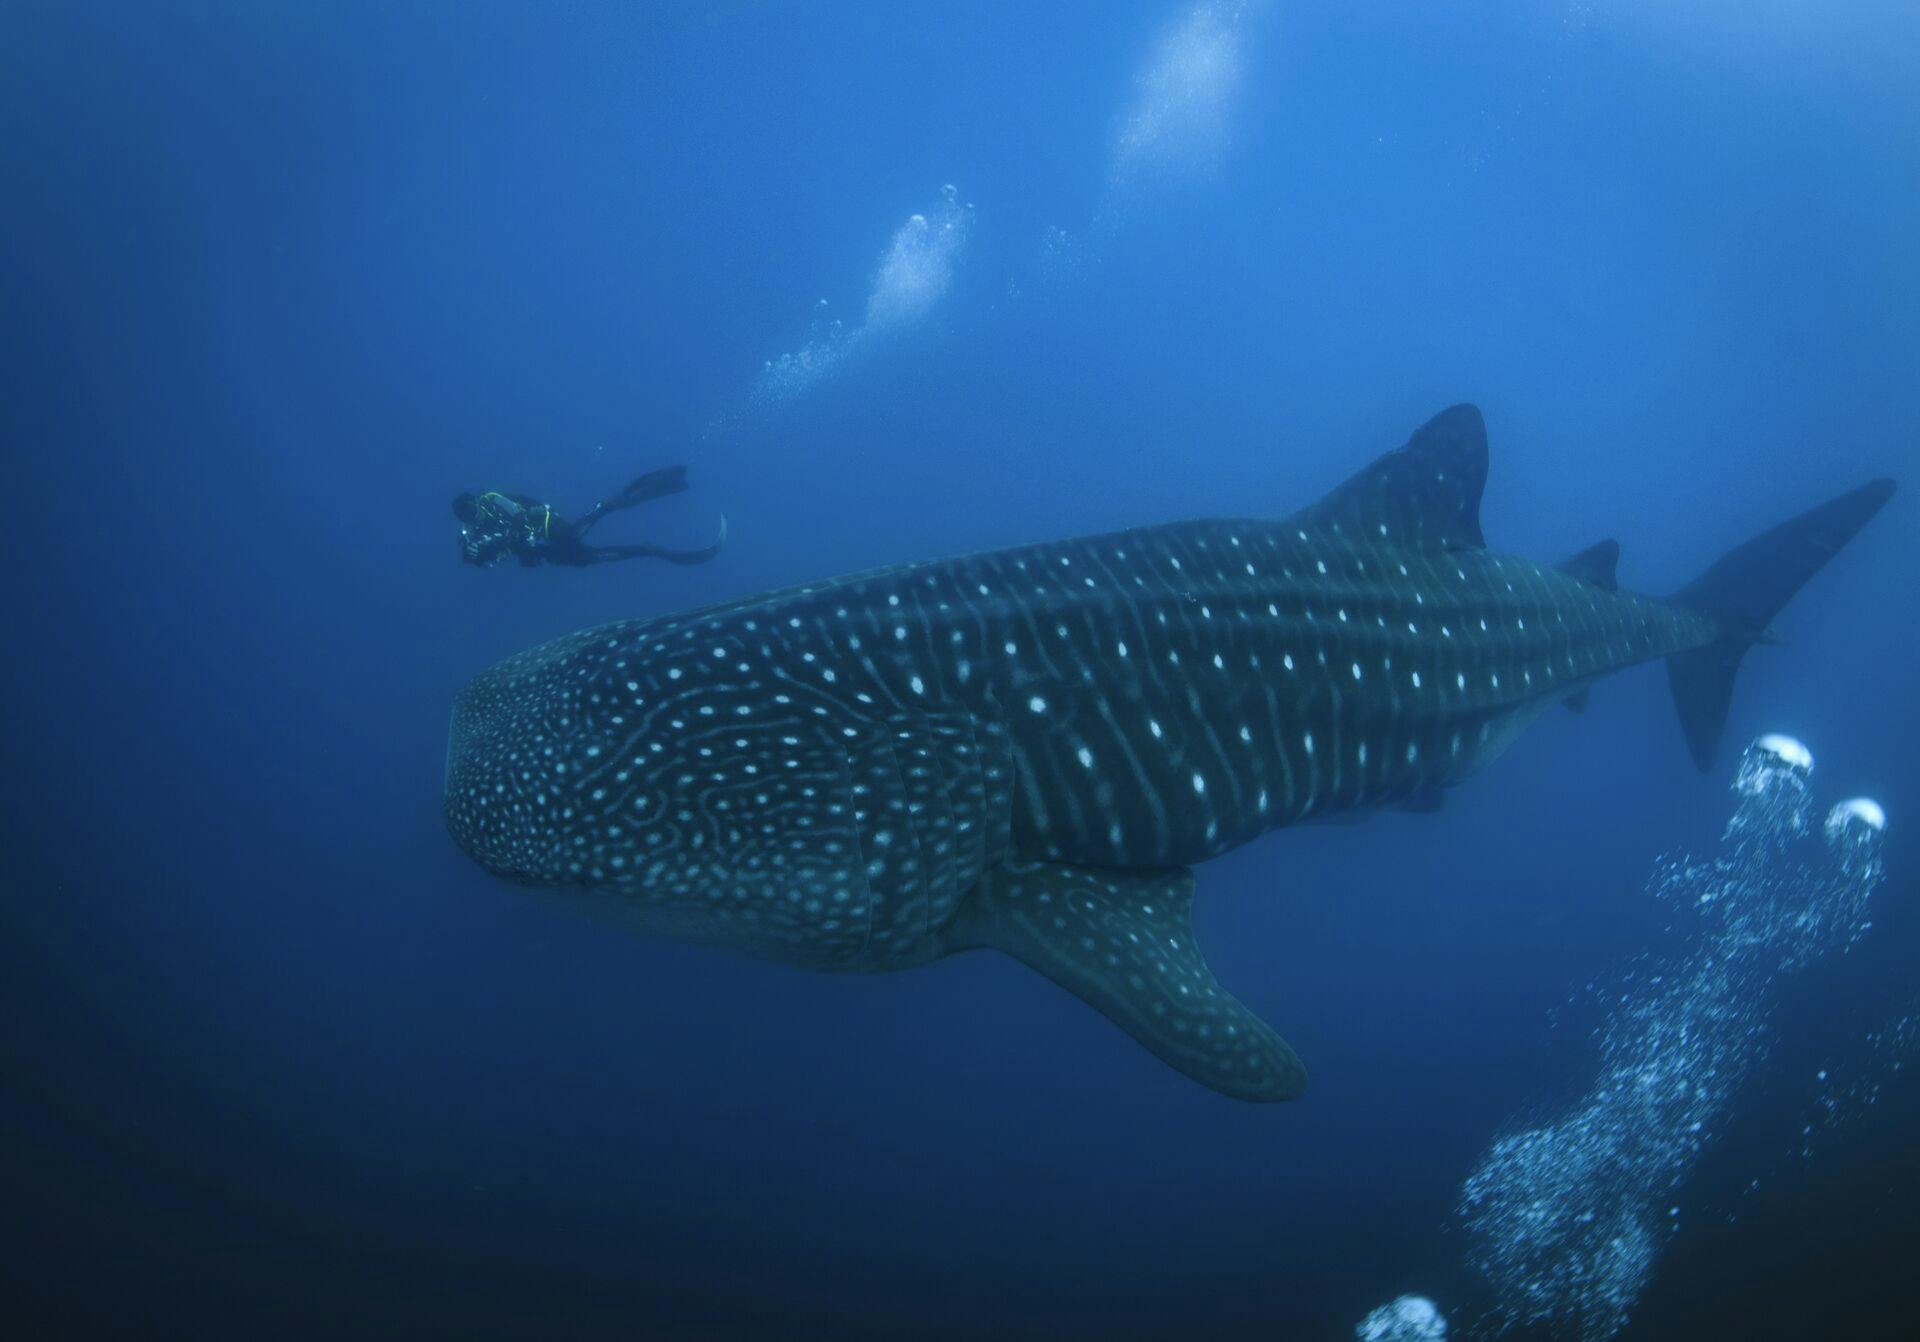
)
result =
(1597, 564)
(1425, 495)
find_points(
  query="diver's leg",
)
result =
(604, 554)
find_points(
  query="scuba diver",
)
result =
(494, 525)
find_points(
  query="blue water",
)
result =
(279, 280)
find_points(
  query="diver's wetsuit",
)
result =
(494, 525)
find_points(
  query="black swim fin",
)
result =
(699, 556)
(653, 485)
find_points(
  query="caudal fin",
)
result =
(1743, 592)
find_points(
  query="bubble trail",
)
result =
(1411, 1318)
(913, 276)
(1177, 124)
(1569, 1217)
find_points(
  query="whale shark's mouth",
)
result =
(446, 764)
(468, 794)
(498, 799)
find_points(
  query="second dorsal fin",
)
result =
(1597, 564)
(1423, 496)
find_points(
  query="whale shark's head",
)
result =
(534, 792)
(670, 781)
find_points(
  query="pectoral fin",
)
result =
(1123, 942)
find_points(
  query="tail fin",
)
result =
(1743, 592)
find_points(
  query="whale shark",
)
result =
(1028, 750)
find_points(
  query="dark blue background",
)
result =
(277, 280)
